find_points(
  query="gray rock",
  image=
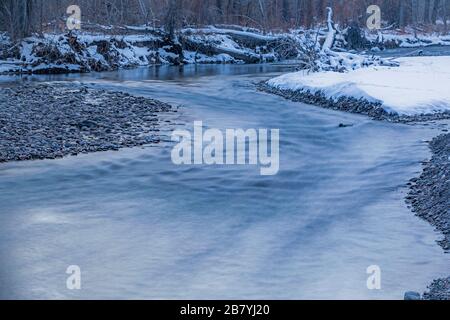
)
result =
(438, 290)
(42, 121)
(429, 198)
(411, 295)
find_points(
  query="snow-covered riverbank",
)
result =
(429, 198)
(129, 47)
(88, 51)
(418, 88)
(406, 39)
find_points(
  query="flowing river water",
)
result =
(141, 227)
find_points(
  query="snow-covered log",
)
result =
(247, 38)
(210, 48)
(329, 40)
(84, 51)
(315, 59)
(343, 61)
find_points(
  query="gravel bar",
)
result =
(349, 104)
(46, 121)
(438, 290)
(429, 197)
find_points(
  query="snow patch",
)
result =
(419, 86)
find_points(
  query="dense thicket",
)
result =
(20, 17)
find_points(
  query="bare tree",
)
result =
(17, 16)
(17, 13)
(173, 16)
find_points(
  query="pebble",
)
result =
(438, 290)
(349, 104)
(411, 295)
(48, 121)
(429, 198)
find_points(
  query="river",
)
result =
(141, 227)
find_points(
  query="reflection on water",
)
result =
(163, 73)
(141, 227)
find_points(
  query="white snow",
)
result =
(421, 85)
(216, 31)
(329, 40)
(409, 39)
(195, 57)
(7, 66)
(125, 51)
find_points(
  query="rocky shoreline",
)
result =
(52, 121)
(82, 51)
(429, 198)
(349, 104)
(429, 195)
(438, 290)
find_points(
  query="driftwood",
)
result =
(329, 41)
(212, 49)
(248, 39)
(251, 39)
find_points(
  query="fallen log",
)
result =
(329, 41)
(212, 49)
(249, 39)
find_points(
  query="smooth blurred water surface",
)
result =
(141, 227)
